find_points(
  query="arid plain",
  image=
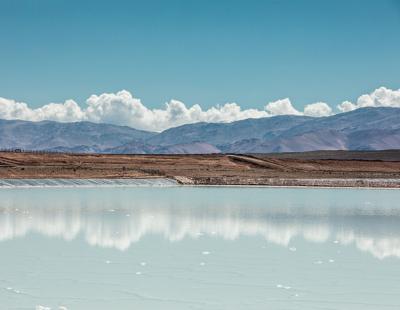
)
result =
(323, 168)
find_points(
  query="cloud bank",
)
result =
(122, 108)
(381, 97)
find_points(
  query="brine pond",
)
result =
(177, 247)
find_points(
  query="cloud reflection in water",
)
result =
(119, 225)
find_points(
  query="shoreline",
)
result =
(298, 170)
(318, 183)
(171, 182)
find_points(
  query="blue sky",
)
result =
(204, 52)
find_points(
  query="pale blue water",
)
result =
(199, 248)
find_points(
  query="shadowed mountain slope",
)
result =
(74, 137)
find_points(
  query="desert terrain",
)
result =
(323, 168)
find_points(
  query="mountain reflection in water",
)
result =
(118, 220)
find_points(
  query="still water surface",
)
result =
(199, 248)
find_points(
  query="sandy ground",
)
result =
(299, 169)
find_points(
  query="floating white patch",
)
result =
(10, 289)
(286, 287)
(40, 307)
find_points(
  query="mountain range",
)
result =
(361, 129)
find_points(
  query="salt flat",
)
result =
(199, 248)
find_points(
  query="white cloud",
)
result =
(63, 112)
(317, 109)
(282, 107)
(122, 108)
(381, 97)
(346, 106)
